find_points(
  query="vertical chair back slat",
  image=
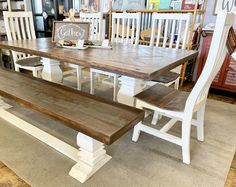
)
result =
(28, 28)
(117, 30)
(165, 33)
(123, 29)
(173, 25)
(179, 32)
(127, 30)
(13, 32)
(22, 26)
(18, 29)
(130, 24)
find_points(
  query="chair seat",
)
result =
(32, 61)
(167, 77)
(164, 97)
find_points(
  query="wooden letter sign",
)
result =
(64, 30)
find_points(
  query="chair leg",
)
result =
(186, 129)
(136, 132)
(79, 77)
(17, 68)
(115, 89)
(200, 123)
(91, 82)
(176, 84)
(35, 73)
(155, 118)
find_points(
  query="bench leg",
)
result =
(92, 156)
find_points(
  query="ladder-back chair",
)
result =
(96, 24)
(170, 31)
(126, 30)
(181, 106)
(20, 26)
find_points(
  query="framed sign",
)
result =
(225, 5)
(89, 5)
(66, 30)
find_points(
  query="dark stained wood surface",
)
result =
(167, 77)
(142, 62)
(96, 117)
(9, 179)
(32, 61)
(164, 97)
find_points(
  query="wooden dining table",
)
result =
(135, 64)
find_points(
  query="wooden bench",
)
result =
(96, 119)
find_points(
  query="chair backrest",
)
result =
(170, 30)
(19, 26)
(96, 24)
(215, 59)
(126, 28)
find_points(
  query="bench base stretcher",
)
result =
(90, 157)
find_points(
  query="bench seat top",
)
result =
(99, 118)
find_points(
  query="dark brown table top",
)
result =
(142, 62)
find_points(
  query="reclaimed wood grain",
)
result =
(164, 97)
(9, 179)
(99, 118)
(142, 62)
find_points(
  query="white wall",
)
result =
(210, 17)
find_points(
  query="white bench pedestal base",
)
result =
(90, 157)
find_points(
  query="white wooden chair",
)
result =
(127, 33)
(181, 106)
(96, 24)
(95, 35)
(170, 31)
(20, 26)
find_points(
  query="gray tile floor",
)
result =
(150, 162)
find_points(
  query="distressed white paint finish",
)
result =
(51, 70)
(20, 26)
(198, 96)
(92, 156)
(129, 87)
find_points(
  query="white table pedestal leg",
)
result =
(92, 156)
(129, 88)
(51, 70)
